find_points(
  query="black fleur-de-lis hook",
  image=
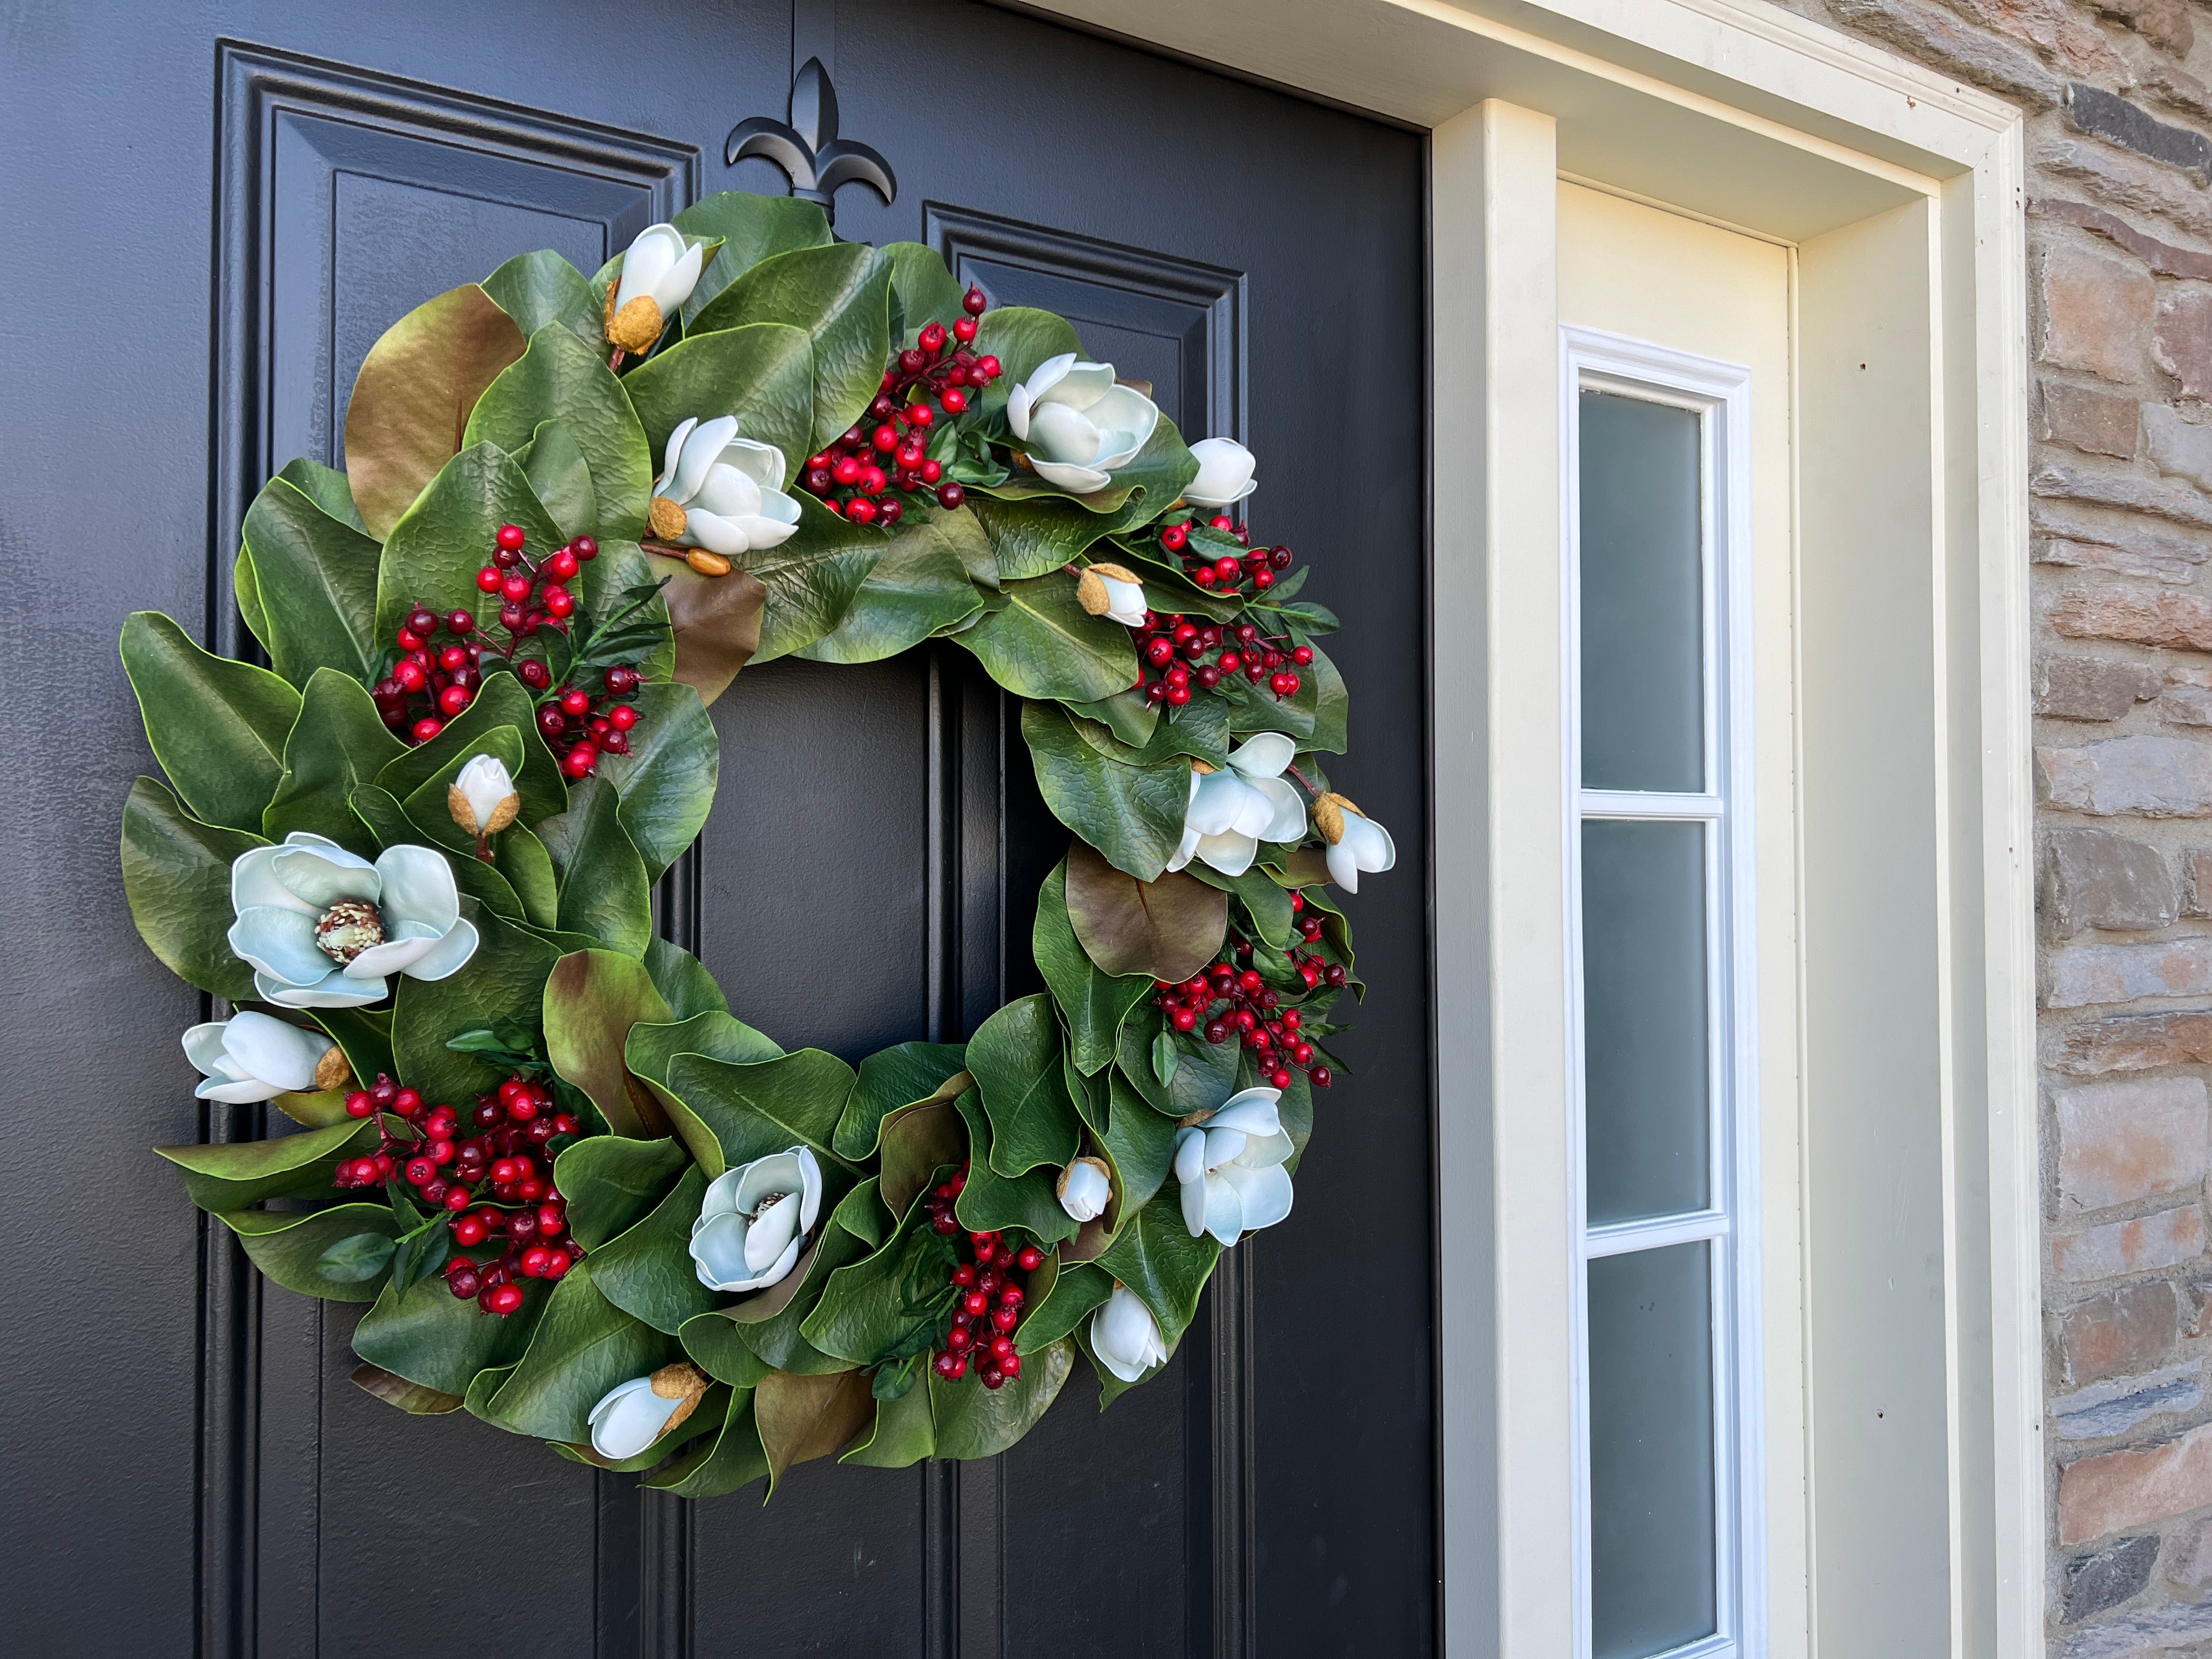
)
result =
(807, 147)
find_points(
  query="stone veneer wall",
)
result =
(2119, 223)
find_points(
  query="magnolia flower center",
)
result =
(767, 1203)
(348, 928)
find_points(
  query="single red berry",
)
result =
(452, 699)
(956, 400)
(533, 673)
(862, 511)
(510, 538)
(502, 1299)
(948, 1365)
(564, 566)
(975, 1304)
(994, 1377)
(992, 367)
(1007, 1318)
(1282, 684)
(488, 579)
(580, 760)
(410, 675)
(559, 602)
(973, 302)
(428, 727)
(1030, 1259)
(964, 1274)
(420, 1170)
(551, 722)
(464, 1284)
(576, 702)
(510, 618)
(1263, 580)
(558, 1262)
(585, 549)
(515, 588)
(963, 330)
(358, 1104)
(950, 495)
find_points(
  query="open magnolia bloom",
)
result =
(632, 1415)
(1225, 473)
(1076, 424)
(252, 1056)
(1126, 1337)
(322, 926)
(722, 492)
(755, 1220)
(1231, 1168)
(1232, 811)
(1356, 841)
(659, 272)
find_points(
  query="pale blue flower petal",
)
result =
(277, 1053)
(204, 1048)
(448, 955)
(418, 887)
(1263, 1196)
(280, 942)
(335, 992)
(319, 880)
(253, 883)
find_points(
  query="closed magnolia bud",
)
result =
(659, 271)
(1084, 1188)
(482, 797)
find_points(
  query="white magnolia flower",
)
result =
(482, 797)
(659, 272)
(1126, 1337)
(1113, 592)
(322, 926)
(1225, 473)
(632, 1415)
(1231, 1168)
(1077, 424)
(1084, 1188)
(1231, 812)
(252, 1056)
(755, 1220)
(722, 492)
(1356, 842)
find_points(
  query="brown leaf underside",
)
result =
(718, 627)
(803, 1417)
(1169, 928)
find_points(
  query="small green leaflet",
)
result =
(350, 1260)
(1163, 1058)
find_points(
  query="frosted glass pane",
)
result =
(1652, 1542)
(1646, 1098)
(1642, 588)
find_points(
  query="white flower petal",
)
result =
(701, 451)
(449, 955)
(1125, 1336)
(717, 1250)
(236, 1094)
(1079, 480)
(651, 254)
(335, 992)
(1254, 811)
(674, 453)
(281, 944)
(761, 532)
(1215, 803)
(1254, 1112)
(204, 1048)
(1223, 1143)
(1193, 1205)
(1083, 1191)
(1231, 854)
(674, 286)
(1018, 411)
(1268, 1150)
(484, 783)
(1124, 602)
(775, 1228)
(1264, 755)
(713, 532)
(276, 1053)
(727, 493)
(1047, 374)
(1225, 473)
(629, 1418)
(393, 956)
(418, 888)
(1224, 1211)
(1343, 861)
(1371, 843)
(1058, 433)
(1076, 385)
(1263, 1195)
(1125, 410)
(762, 462)
(319, 881)
(1184, 851)
(1189, 1154)
(253, 883)
(1289, 821)
(721, 1197)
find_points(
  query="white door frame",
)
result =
(1900, 192)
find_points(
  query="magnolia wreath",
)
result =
(416, 855)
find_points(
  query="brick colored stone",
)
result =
(2133, 1042)
(2134, 615)
(2177, 447)
(2125, 182)
(2133, 1488)
(2186, 705)
(2088, 420)
(2184, 339)
(2131, 491)
(2122, 1330)
(2119, 1142)
(2108, 1578)
(2093, 538)
(2165, 1239)
(2159, 777)
(2097, 311)
(2085, 974)
(2164, 257)
(1927, 31)
(2094, 878)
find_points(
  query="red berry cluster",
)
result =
(1176, 653)
(991, 1290)
(1226, 573)
(583, 725)
(1226, 1000)
(888, 448)
(503, 1162)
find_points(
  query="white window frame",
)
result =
(1719, 394)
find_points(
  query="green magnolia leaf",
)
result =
(922, 289)
(503, 701)
(314, 582)
(583, 1346)
(560, 478)
(606, 892)
(1204, 1074)
(1021, 339)
(1140, 1144)
(803, 1418)
(682, 979)
(432, 553)
(1168, 929)
(1166, 1058)
(1129, 716)
(716, 1347)
(1029, 538)
(1044, 644)
(612, 1181)
(886, 1299)
(717, 625)
(904, 1434)
(217, 726)
(1156, 1256)
(812, 578)
(732, 1459)
(667, 781)
(1266, 905)
(338, 744)
(768, 1106)
(325, 487)
(335, 1254)
(841, 296)
(412, 400)
(1140, 489)
(919, 586)
(1014, 1057)
(1076, 1289)
(890, 1080)
(712, 1032)
(435, 1342)
(593, 998)
(991, 1202)
(763, 373)
(647, 1272)
(751, 229)
(176, 874)
(1131, 814)
(974, 1421)
(918, 1141)
(411, 1397)
(541, 288)
(503, 981)
(229, 1175)
(1092, 1002)
(1332, 703)
(560, 378)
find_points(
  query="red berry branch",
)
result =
(991, 1288)
(1176, 653)
(1226, 999)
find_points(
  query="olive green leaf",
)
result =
(231, 1175)
(217, 726)
(413, 396)
(683, 980)
(1167, 929)
(434, 551)
(1129, 716)
(325, 487)
(923, 290)
(890, 1079)
(297, 1247)
(667, 781)
(712, 1032)
(841, 296)
(919, 586)
(1021, 339)
(1266, 904)
(560, 478)
(1205, 1073)
(647, 1271)
(1131, 814)
(1076, 1289)
(428, 1337)
(593, 998)
(732, 1459)
(763, 373)
(1332, 703)
(583, 1346)
(884, 1302)
(314, 583)
(917, 1141)
(974, 1421)
(606, 892)
(991, 1202)
(503, 701)
(766, 1106)
(176, 874)
(611, 1181)
(716, 1346)
(751, 229)
(1015, 1058)
(540, 289)
(338, 744)
(411, 1397)
(905, 1432)
(1156, 1256)
(812, 578)
(803, 1418)
(560, 378)
(1042, 644)
(1029, 538)
(1139, 1142)
(505, 979)
(1091, 1001)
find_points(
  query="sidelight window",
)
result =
(1659, 861)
